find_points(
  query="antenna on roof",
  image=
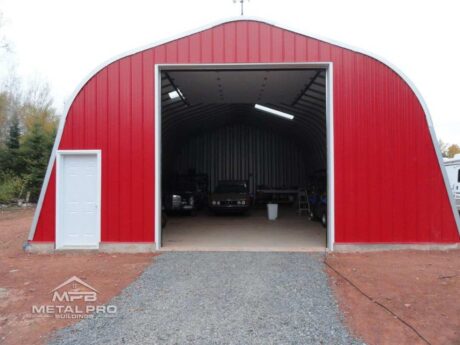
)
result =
(242, 4)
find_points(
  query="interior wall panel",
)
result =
(241, 152)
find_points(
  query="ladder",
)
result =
(304, 203)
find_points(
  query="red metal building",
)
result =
(386, 183)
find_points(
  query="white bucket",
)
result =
(272, 211)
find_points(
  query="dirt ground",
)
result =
(27, 279)
(422, 288)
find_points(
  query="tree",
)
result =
(443, 147)
(14, 134)
(3, 115)
(4, 44)
(9, 157)
(37, 106)
(35, 152)
(27, 141)
(40, 124)
(453, 150)
(28, 125)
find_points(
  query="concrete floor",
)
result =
(251, 232)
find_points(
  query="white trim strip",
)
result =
(209, 26)
(330, 157)
(157, 158)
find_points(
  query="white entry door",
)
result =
(78, 199)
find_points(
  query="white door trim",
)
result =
(59, 157)
(327, 66)
(158, 159)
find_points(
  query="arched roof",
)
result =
(209, 26)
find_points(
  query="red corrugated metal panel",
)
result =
(148, 125)
(46, 225)
(389, 187)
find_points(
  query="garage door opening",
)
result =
(232, 139)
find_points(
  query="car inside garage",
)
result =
(235, 142)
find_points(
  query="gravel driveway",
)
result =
(221, 298)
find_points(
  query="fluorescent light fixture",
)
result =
(274, 112)
(175, 94)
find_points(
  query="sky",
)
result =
(62, 41)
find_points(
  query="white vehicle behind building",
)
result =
(453, 172)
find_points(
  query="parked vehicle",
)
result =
(184, 195)
(318, 208)
(230, 196)
(317, 196)
(453, 172)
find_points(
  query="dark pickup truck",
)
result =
(230, 196)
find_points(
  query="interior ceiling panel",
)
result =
(215, 98)
(241, 86)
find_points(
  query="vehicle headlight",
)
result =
(214, 202)
(218, 202)
(243, 202)
(238, 202)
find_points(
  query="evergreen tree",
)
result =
(9, 158)
(27, 129)
(14, 134)
(35, 152)
(4, 102)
